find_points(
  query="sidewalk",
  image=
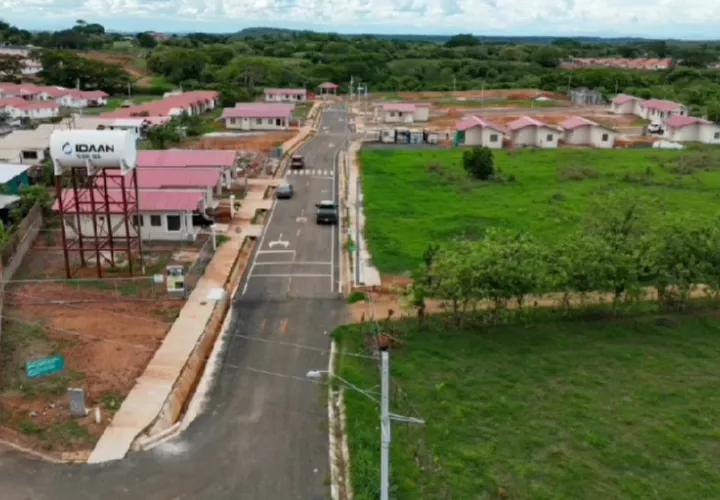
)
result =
(147, 398)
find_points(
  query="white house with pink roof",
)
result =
(402, 112)
(580, 131)
(285, 95)
(529, 132)
(690, 129)
(475, 131)
(658, 110)
(258, 116)
(624, 104)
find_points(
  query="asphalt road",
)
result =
(263, 435)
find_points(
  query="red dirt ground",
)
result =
(128, 62)
(510, 94)
(255, 143)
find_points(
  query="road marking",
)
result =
(298, 232)
(279, 241)
(262, 240)
(275, 251)
(289, 276)
(283, 326)
(294, 262)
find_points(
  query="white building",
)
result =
(624, 104)
(475, 131)
(402, 112)
(285, 95)
(207, 180)
(164, 215)
(258, 116)
(528, 131)
(167, 159)
(691, 129)
(580, 131)
(657, 110)
(28, 147)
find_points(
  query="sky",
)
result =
(683, 19)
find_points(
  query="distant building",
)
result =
(258, 116)
(586, 97)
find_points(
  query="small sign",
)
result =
(158, 279)
(44, 367)
(77, 402)
(175, 280)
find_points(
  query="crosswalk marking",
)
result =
(312, 171)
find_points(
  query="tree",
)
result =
(479, 163)
(466, 40)
(146, 40)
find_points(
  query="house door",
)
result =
(278, 122)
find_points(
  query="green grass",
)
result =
(623, 409)
(302, 109)
(413, 197)
(116, 102)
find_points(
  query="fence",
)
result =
(197, 268)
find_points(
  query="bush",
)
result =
(479, 163)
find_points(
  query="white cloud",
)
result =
(639, 17)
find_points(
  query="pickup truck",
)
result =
(327, 212)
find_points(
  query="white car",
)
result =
(655, 128)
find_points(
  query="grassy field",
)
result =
(116, 102)
(413, 197)
(619, 410)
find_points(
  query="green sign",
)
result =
(44, 367)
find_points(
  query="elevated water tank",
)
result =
(94, 149)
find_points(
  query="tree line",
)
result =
(627, 252)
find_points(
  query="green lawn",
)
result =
(413, 197)
(302, 109)
(625, 409)
(115, 102)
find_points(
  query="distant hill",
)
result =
(527, 40)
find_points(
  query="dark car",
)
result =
(285, 191)
(297, 162)
(327, 212)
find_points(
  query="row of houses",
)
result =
(191, 103)
(67, 98)
(299, 95)
(669, 119)
(653, 64)
(30, 66)
(249, 116)
(530, 132)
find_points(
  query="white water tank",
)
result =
(93, 148)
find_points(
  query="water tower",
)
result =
(97, 193)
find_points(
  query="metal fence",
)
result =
(197, 268)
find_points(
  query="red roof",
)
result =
(259, 110)
(623, 98)
(685, 121)
(27, 105)
(474, 121)
(402, 107)
(578, 121)
(162, 107)
(527, 121)
(178, 178)
(661, 105)
(148, 201)
(56, 92)
(12, 101)
(181, 158)
(286, 91)
(329, 86)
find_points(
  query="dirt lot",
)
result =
(511, 94)
(104, 332)
(264, 143)
(128, 62)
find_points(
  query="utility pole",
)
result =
(454, 87)
(351, 89)
(482, 94)
(617, 86)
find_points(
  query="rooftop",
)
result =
(286, 91)
(661, 105)
(474, 121)
(178, 177)
(328, 85)
(623, 98)
(148, 201)
(182, 158)
(685, 121)
(259, 110)
(8, 171)
(164, 107)
(527, 121)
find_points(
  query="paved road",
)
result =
(264, 433)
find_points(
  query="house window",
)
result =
(493, 138)
(173, 223)
(258, 121)
(138, 220)
(605, 137)
(717, 135)
(549, 138)
(155, 221)
(29, 155)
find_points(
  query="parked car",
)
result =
(297, 162)
(655, 128)
(284, 191)
(327, 212)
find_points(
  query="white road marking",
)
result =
(275, 251)
(289, 276)
(262, 240)
(293, 262)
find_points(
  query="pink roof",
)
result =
(182, 158)
(328, 85)
(474, 121)
(148, 201)
(94, 94)
(661, 105)
(623, 98)
(685, 121)
(259, 110)
(162, 107)
(27, 105)
(286, 91)
(402, 107)
(148, 178)
(12, 101)
(527, 121)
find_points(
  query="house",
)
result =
(690, 129)
(226, 160)
(657, 110)
(137, 126)
(618, 62)
(191, 103)
(402, 112)
(258, 116)
(528, 131)
(30, 66)
(580, 131)
(474, 131)
(28, 147)
(624, 104)
(207, 180)
(328, 88)
(285, 95)
(69, 98)
(33, 110)
(13, 177)
(165, 215)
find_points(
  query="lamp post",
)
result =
(385, 416)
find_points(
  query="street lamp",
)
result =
(385, 416)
